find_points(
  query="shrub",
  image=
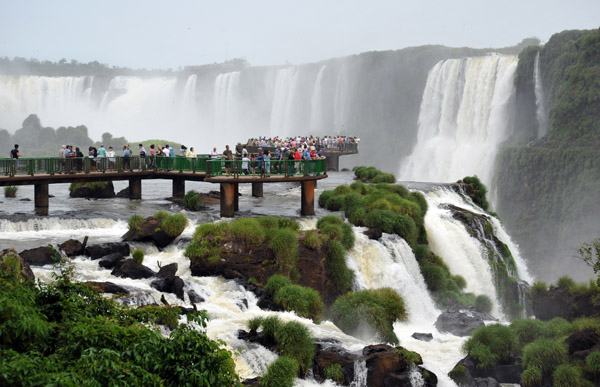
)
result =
(192, 201)
(305, 301)
(461, 283)
(532, 377)
(477, 192)
(592, 363)
(382, 219)
(138, 256)
(205, 249)
(335, 264)
(276, 282)
(247, 230)
(324, 197)
(565, 282)
(270, 325)
(163, 315)
(359, 187)
(559, 327)
(378, 308)
(255, 323)
(334, 372)
(293, 340)
(435, 277)
(528, 330)
(135, 222)
(538, 288)
(335, 203)
(566, 375)
(210, 229)
(483, 304)
(459, 375)
(281, 373)
(329, 219)
(173, 225)
(161, 214)
(384, 178)
(284, 243)
(314, 240)
(498, 339)
(10, 191)
(545, 354)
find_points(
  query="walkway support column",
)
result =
(41, 199)
(228, 199)
(307, 205)
(135, 188)
(333, 162)
(257, 190)
(236, 197)
(178, 189)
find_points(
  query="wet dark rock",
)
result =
(560, 302)
(40, 256)
(167, 281)
(110, 261)
(149, 231)
(128, 268)
(459, 323)
(331, 355)
(101, 250)
(177, 287)
(25, 200)
(502, 373)
(124, 193)
(71, 248)
(21, 265)
(485, 382)
(107, 287)
(583, 340)
(373, 233)
(195, 298)
(94, 191)
(422, 336)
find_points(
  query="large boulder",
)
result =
(104, 249)
(561, 302)
(95, 190)
(467, 374)
(71, 248)
(107, 287)
(149, 231)
(583, 342)
(128, 268)
(109, 261)
(389, 366)
(40, 256)
(167, 281)
(460, 322)
(10, 260)
(328, 356)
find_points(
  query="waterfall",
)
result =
(465, 114)
(189, 99)
(316, 104)
(540, 102)
(226, 101)
(360, 374)
(341, 104)
(284, 101)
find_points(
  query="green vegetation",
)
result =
(544, 354)
(10, 191)
(281, 373)
(173, 225)
(588, 252)
(459, 375)
(305, 301)
(192, 201)
(94, 186)
(138, 256)
(334, 372)
(566, 375)
(476, 190)
(292, 339)
(135, 222)
(65, 333)
(378, 309)
(483, 304)
(373, 175)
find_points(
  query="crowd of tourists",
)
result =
(328, 143)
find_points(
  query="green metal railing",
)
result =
(202, 164)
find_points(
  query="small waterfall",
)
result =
(465, 115)
(189, 94)
(341, 100)
(360, 374)
(416, 379)
(58, 224)
(540, 102)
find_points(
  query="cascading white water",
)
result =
(226, 101)
(284, 101)
(465, 114)
(340, 106)
(189, 100)
(316, 104)
(540, 102)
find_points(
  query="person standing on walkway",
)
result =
(142, 163)
(61, 153)
(102, 157)
(14, 154)
(228, 156)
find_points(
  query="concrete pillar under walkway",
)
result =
(333, 162)
(228, 199)
(236, 197)
(257, 190)
(41, 199)
(178, 189)
(135, 188)
(307, 201)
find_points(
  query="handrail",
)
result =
(216, 166)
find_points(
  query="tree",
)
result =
(590, 254)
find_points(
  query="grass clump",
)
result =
(247, 230)
(490, 344)
(284, 243)
(314, 240)
(10, 191)
(192, 201)
(532, 377)
(138, 256)
(135, 222)
(276, 282)
(173, 225)
(568, 376)
(281, 373)
(160, 215)
(459, 375)
(334, 372)
(337, 270)
(544, 354)
(592, 363)
(305, 301)
(483, 303)
(476, 190)
(378, 309)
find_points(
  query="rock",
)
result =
(167, 281)
(124, 193)
(25, 200)
(334, 355)
(458, 323)
(96, 190)
(473, 376)
(422, 336)
(11, 260)
(101, 250)
(559, 302)
(195, 298)
(107, 287)
(128, 268)
(110, 261)
(485, 382)
(71, 248)
(582, 340)
(149, 231)
(373, 233)
(40, 256)
(177, 287)
(388, 366)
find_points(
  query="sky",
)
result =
(157, 34)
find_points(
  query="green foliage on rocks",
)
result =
(281, 373)
(192, 201)
(476, 190)
(305, 301)
(10, 191)
(334, 372)
(138, 256)
(135, 222)
(378, 309)
(65, 333)
(173, 225)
